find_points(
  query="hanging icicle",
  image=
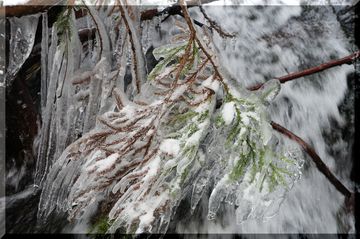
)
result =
(22, 31)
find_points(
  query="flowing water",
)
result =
(271, 41)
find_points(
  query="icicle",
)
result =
(199, 188)
(21, 43)
(43, 163)
(146, 35)
(90, 52)
(233, 43)
(58, 126)
(139, 76)
(217, 196)
(44, 59)
(94, 103)
(103, 35)
(65, 109)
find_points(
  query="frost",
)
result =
(170, 146)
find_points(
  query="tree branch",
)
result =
(31, 7)
(323, 168)
(171, 10)
(215, 26)
(346, 60)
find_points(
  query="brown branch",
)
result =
(31, 7)
(86, 34)
(346, 60)
(322, 167)
(171, 10)
(36, 6)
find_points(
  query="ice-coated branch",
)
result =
(103, 36)
(323, 168)
(138, 56)
(345, 60)
(143, 159)
(202, 46)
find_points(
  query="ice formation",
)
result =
(23, 31)
(143, 158)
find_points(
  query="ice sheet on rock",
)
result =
(22, 32)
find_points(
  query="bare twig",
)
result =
(215, 26)
(323, 168)
(171, 10)
(346, 60)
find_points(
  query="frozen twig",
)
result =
(138, 58)
(171, 10)
(215, 26)
(345, 60)
(323, 168)
(201, 45)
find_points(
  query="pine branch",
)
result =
(201, 45)
(345, 60)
